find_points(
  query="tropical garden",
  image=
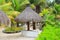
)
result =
(49, 10)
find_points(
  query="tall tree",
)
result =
(37, 4)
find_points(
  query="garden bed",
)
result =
(10, 30)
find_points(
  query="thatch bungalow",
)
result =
(27, 16)
(4, 20)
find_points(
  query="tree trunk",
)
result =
(28, 26)
(12, 24)
(38, 9)
(34, 27)
(17, 24)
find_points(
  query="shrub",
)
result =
(49, 33)
(13, 29)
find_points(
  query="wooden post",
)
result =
(17, 24)
(28, 26)
(34, 26)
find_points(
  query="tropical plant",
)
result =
(37, 4)
(2, 2)
(18, 4)
(13, 29)
(12, 15)
(52, 25)
(44, 12)
(49, 30)
(57, 8)
(6, 7)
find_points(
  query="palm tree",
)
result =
(37, 4)
(18, 4)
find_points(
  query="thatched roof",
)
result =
(3, 18)
(28, 15)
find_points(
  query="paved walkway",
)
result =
(15, 36)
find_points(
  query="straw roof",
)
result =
(3, 18)
(28, 15)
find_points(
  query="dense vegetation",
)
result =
(49, 33)
(52, 24)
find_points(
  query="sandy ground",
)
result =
(15, 36)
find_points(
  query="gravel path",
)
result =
(15, 36)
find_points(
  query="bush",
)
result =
(49, 33)
(13, 29)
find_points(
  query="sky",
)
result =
(50, 0)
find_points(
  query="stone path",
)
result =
(15, 36)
